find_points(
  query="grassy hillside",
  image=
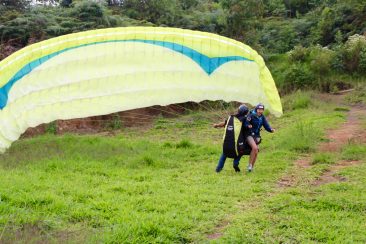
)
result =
(159, 185)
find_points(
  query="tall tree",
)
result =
(243, 18)
(155, 11)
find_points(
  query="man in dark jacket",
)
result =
(241, 116)
(255, 120)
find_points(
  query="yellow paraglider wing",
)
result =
(109, 70)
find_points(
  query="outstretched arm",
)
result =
(267, 126)
(219, 125)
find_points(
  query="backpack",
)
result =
(234, 143)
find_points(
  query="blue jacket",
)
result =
(257, 122)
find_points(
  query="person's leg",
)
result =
(253, 153)
(221, 163)
(236, 164)
(256, 155)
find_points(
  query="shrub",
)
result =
(298, 76)
(362, 63)
(321, 60)
(299, 53)
(354, 53)
(337, 62)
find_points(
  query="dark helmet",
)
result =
(243, 110)
(259, 106)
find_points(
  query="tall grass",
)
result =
(301, 137)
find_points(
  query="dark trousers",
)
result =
(222, 160)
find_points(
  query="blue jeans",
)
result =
(222, 160)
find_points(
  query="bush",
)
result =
(337, 63)
(362, 63)
(321, 60)
(89, 10)
(355, 53)
(299, 53)
(298, 76)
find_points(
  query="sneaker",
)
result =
(250, 168)
(237, 169)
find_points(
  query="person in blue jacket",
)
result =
(255, 120)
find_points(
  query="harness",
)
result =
(234, 139)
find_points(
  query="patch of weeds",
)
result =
(115, 123)
(302, 101)
(162, 123)
(323, 158)
(354, 152)
(301, 138)
(148, 161)
(341, 187)
(357, 96)
(168, 145)
(341, 109)
(299, 100)
(184, 144)
(51, 128)
(323, 139)
(160, 127)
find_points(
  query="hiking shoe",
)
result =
(237, 169)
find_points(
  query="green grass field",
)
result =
(158, 185)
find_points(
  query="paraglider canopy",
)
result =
(109, 70)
